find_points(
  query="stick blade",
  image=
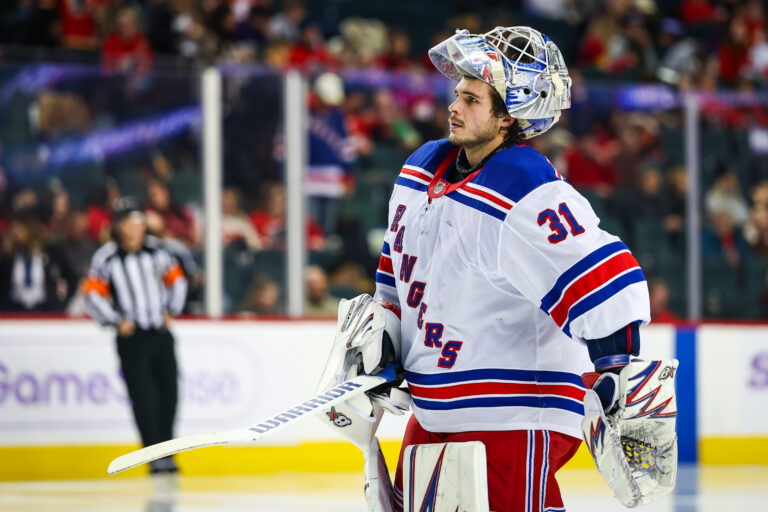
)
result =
(170, 447)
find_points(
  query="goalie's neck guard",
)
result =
(523, 65)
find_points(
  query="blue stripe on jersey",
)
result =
(429, 156)
(517, 171)
(385, 249)
(477, 205)
(430, 379)
(405, 182)
(602, 295)
(549, 402)
(385, 279)
(576, 270)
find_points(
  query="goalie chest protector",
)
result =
(497, 278)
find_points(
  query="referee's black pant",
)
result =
(148, 363)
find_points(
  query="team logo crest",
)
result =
(439, 187)
(338, 419)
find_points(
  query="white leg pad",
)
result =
(446, 477)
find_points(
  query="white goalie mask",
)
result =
(523, 65)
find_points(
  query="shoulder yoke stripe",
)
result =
(478, 203)
(411, 183)
(417, 169)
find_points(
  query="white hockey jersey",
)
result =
(497, 278)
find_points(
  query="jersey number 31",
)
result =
(559, 232)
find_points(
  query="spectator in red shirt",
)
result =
(398, 55)
(590, 163)
(734, 54)
(696, 12)
(80, 21)
(99, 210)
(270, 221)
(659, 295)
(126, 50)
(178, 219)
(309, 52)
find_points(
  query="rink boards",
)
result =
(64, 412)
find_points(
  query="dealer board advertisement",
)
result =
(732, 380)
(60, 381)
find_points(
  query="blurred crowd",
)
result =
(692, 43)
(373, 99)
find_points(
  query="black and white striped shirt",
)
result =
(140, 286)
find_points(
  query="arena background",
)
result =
(263, 138)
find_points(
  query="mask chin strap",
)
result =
(557, 82)
(499, 82)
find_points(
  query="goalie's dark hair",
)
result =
(499, 109)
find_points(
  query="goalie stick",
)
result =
(250, 435)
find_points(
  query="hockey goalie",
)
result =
(496, 291)
(513, 317)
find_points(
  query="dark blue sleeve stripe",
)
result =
(576, 270)
(431, 379)
(385, 248)
(602, 295)
(477, 205)
(405, 182)
(385, 279)
(543, 402)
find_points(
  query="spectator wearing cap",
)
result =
(135, 286)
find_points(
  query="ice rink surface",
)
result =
(709, 489)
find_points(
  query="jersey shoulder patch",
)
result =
(516, 172)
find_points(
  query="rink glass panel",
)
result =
(96, 135)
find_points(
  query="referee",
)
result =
(136, 286)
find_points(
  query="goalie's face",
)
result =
(473, 124)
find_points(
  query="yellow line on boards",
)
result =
(733, 450)
(91, 461)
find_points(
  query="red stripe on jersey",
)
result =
(587, 283)
(391, 307)
(496, 388)
(469, 188)
(385, 264)
(412, 172)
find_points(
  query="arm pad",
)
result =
(614, 352)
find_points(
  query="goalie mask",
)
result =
(523, 65)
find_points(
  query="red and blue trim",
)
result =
(483, 200)
(497, 388)
(593, 280)
(414, 177)
(536, 470)
(385, 273)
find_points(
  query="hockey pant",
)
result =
(521, 465)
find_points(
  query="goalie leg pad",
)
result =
(635, 445)
(445, 477)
